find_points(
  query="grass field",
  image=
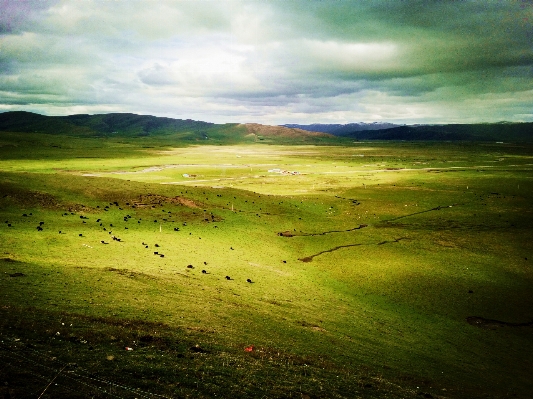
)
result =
(404, 271)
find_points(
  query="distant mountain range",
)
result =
(138, 126)
(502, 131)
(342, 130)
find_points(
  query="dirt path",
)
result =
(310, 258)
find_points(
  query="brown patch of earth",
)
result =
(280, 131)
(285, 234)
(28, 198)
(312, 326)
(447, 244)
(129, 273)
(10, 260)
(149, 200)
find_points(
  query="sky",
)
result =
(269, 61)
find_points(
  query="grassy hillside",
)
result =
(121, 125)
(403, 270)
(151, 130)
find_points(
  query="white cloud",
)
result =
(353, 56)
(274, 61)
(203, 68)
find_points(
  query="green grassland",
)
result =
(405, 270)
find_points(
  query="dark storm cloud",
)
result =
(271, 62)
(16, 15)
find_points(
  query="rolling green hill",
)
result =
(120, 125)
(126, 125)
(132, 126)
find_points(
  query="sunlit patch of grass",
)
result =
(398, 260)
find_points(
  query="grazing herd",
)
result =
(125, 218)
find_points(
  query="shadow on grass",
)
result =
(62, 355)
